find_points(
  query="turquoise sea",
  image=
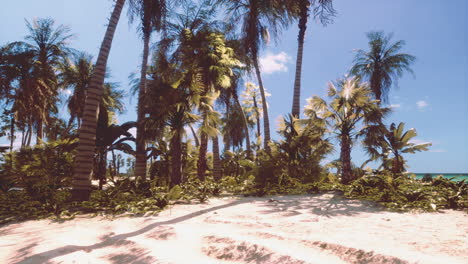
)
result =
(456, 176)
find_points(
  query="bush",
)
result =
(427, 178)
(403, 194)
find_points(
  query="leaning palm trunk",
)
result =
(266, 121)
(216, 159)
(300, 50)
(87, 133)
(345, 157)
(195, 137)
(140, 161)
(246, 128)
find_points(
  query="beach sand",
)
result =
(321, 228)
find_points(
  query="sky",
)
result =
(434, 101)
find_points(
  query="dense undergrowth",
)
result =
(42, 180)
(137, 199)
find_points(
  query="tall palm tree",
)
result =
(152, 14)
(323, 10)
(252, 105)
(382, 65)
(49, 45)
(259, 18)
(21, 89)
(76, 75)
(351, 103)
(87, 133)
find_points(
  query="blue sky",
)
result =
(435, 101)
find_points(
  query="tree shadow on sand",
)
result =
(329, 205)
(115, 240)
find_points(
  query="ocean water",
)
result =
(456, 176)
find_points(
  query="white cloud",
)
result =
(271, 63)
(419, 141)
(395, 105)
(421, 104)
(438, 150)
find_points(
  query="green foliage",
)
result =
(427, 178)
(41, 169)
(403, 193)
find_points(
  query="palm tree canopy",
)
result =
(351, 102)
(382, 64)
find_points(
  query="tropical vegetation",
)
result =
(195, 92)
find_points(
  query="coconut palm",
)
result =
(170, 108)
(76, 75)
(152, 14)
(49, 45)
(252, 105)
(260, 17)
(87, 132)
(388, 145)
(351, 103)
(323, 10)
(382, 64)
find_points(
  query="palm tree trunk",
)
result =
(140, 162)
(195, 137)
(345, 157)
(216, 160)
(176, 154)
(266, 121)
(300, 49)
(29, 133)
(12, 133)
(259, 132)
(201, 164)
(87, 133)
(246, 128)
(40, 131)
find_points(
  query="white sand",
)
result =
(292, 229)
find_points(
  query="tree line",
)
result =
(191, 81)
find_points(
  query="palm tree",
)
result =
(382, 65)
(252, 105)
(152, 14)
(20, 89)
(322, 9)
(350, 104)
(87, 133)
(258, 16)
(76, 75)
(49, 45)
(170, 107)
(381, 143)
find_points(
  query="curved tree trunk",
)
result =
(300, 49)
(195, 137)
(266, 121)
(216, 159)
(83, 167)
(345, 157)
(140, 162)
(246, 128)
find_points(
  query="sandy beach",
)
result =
(282, 229)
